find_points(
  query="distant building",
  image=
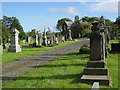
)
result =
(67, 25)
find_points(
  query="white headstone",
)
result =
(44, 38)
(36, 39)
(14, 44)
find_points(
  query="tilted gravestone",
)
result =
(14, 44)
(96, 70)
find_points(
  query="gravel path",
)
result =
(22, 66)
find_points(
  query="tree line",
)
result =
(8, 23)
(85, 28)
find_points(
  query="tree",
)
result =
(85, 19)
(90, 19)
(83, 28)
(13, 22)
(60, 23)
(117, 21)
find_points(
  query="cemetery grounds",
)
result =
(63, 72)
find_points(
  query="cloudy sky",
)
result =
(39, 14)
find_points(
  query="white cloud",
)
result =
(105, 6)
(72, 10)
(53, 9)
(68, 10)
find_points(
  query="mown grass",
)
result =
(26, 52)
(64, 72)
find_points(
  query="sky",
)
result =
(37, 15)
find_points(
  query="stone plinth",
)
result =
(90, 79)
(14, 44)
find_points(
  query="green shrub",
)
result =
(84, 49)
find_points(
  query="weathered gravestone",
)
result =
(29, 39)
(14, 44)
(1, 48)
(40, 39)
(35, 40)
(63, 38)
(56, 40)
(44, 38)
(69, 35)
(51, 40)
(96, 70)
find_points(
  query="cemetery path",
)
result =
(22, 66)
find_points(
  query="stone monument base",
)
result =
(13, 48)
(96, 71)
(90, 79)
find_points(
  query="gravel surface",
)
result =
(22, 66)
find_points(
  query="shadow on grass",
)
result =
(59, 65)
(77, 78)
(66, 76)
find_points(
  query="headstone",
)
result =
(63, 38)
(14, 44)
(29, 39)
(1, 48)
(44, 38)
(51, 40)
(56, 40)
(96, 69)
(48, 42)
(54, 37)
(3, 45)
(40, 39)
(24, 41)
(69, 36)
(79, 35)
(36, 39)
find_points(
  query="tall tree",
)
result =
(13, 22)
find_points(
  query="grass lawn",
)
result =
(9, 56)
(64, 72)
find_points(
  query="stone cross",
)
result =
(44, 38)
(14, 44)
